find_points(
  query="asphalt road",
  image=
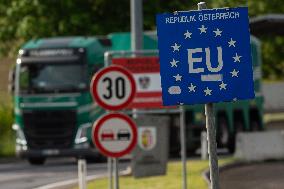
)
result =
(20, 174)
(264, 175)
(268, 175)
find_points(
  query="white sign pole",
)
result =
(82, 173)
(116, 176)
(204, 146)
(211, 136)
(183, 147)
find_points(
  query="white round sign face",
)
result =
(113, 88)
(115, 134)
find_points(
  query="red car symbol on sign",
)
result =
(107, 135)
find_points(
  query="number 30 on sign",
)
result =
(113, 88)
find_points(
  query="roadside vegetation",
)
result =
(7, 138)
(172, 180)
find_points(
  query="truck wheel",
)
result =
(223, 134)
(239, 127)
(255, 125)
(36, 161)
(96, 159)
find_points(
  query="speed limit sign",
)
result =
(113, 88)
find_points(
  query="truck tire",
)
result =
(255, 122)
(36, 161)
(223, 133)
(232, 144)
(255, 125)
(96, 159)
(238, 127)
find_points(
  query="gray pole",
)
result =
(136, 25)
(116, 176)
(110, 171)
(183, 147)
(212, 146)
(136, 9)
(211, 136)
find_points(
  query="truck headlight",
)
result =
(21, 142)
(81, 135)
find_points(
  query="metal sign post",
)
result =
(212, 146)
(136, 31)
(110, 171)
(116, 178)
(202, 39)
(183, 147)
(211, 136)
(136, 25)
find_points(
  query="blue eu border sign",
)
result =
(205, 56)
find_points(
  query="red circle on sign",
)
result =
(96, 139)
(103, 103)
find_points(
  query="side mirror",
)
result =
(11, 79)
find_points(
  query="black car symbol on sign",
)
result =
(123, 134)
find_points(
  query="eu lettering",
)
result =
(195, 68)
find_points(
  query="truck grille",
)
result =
(49, 129)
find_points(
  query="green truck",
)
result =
(54, 110)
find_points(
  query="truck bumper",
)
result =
(59, 153)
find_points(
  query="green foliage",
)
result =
(272, 47)
(273, 50)
(7, 138)
(22, 20)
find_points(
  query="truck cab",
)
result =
(54, 110)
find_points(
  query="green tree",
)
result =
(272, 46)
(21, 20)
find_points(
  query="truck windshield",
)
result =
(52, 78)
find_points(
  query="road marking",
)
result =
(65, 183)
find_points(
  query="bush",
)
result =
(7, 135)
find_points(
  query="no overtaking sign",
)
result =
(115, 135)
